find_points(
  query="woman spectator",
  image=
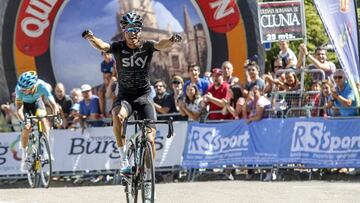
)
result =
(257, 106)
(191, 105)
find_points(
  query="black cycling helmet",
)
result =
(131, 18)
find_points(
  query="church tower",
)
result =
(190, 36)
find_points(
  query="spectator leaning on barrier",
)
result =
(64, 101)
(191, 105)
(218, 96)
(257, 106)
(228, 69)
(201, 83)
(343, 96)
(319, 61)
(287, 56)
(163, 102)
(10, 114)
(89, 106)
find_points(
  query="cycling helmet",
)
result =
(27, 79)
(131, 18)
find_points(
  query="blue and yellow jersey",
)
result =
(41, 89)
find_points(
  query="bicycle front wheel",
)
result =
(148, 175)
(32, 172)
(45, 161)
(131, 183)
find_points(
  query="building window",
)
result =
(175, 62)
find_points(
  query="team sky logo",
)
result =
(135, 60)
(314, 137)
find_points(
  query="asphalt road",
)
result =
(197, 192)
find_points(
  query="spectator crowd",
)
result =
(218, 94)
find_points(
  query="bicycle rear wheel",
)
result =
(45, 161)
(32, 173)
(148, 180)
(131, 183)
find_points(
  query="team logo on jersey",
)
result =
(130, 62)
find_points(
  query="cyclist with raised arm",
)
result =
(29, 92)
(133, 57)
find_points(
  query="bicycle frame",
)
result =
(138, 146)
(39, 145)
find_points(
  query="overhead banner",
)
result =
(312, 142)
(340, 21)
(283, 20)
(93, 150)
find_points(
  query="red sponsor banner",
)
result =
(221, 15)
(33, 26)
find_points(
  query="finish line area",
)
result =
(215, 191)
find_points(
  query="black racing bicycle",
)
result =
(140, 156)
(39, 174)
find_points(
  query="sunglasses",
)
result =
(176, 82)
(338, 77)
(132, 29)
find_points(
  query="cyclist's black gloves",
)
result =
(176, 38)
(86, 33)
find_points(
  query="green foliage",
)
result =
(316, 36)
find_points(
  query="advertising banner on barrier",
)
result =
(312, 142)
(283, 20)
(93, 150)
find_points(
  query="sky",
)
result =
(75, 62)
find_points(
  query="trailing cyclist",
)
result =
(30, 95)
(133, 57)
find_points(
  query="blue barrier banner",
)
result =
(313, 142)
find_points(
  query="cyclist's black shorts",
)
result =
(30, 108)
(140, 103)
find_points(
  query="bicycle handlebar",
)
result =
(149, 121)
(31, 118)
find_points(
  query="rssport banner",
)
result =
(312, 142)
(93, 150)
(340, 20)
(283, 20)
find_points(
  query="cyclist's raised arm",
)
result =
(166, 43)
(96, 42)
